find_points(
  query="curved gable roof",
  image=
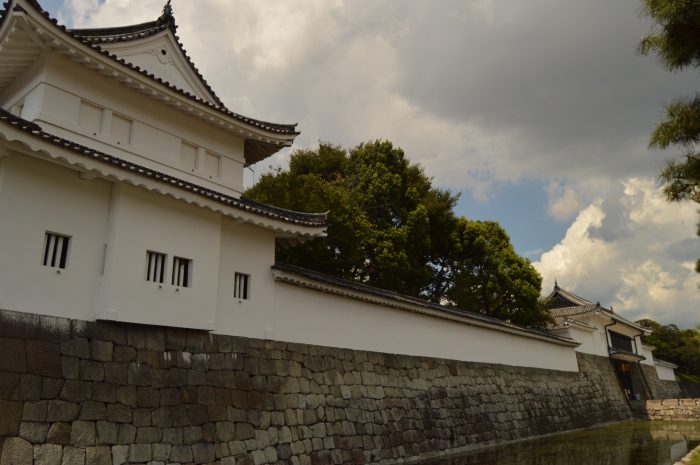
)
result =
(165, 22)
(274, 136)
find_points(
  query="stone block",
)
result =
(29, 387)
(9, 386)
(161, 451)
(117, 373)
(59, 433)
(10, 417)
(12, 355)
(148, 435)
(119, 413)
(179, 454)
(127, 395)
(82, 433)
(93, 410)
(104, 392)
(140, 453)
(102, 351)
(127, 434)
(124, 354)
(92, 371)
(284, 451)
(51, 387)
(192, 434)
(244, 431)
(107, 432)
(48, 454)
(33, 411)
(99, 455)
(120, 454)
(33, 432)
(76, 391)
(73, 456)
(161, 417)
(70, 367)
(148, 397)
(172, 436)
(76, 348)
(203, 453)
(43, 358)
(17, 451)
(225, 431)
(142, 417)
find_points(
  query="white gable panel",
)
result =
(161, 56)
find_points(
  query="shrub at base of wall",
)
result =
(74, 392)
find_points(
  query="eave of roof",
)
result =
(664, 363)
(287, 131)
(320, 281)
(315, 220)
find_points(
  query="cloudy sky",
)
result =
(538, 112)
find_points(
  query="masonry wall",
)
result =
(660, 389)
(674, 409)
(73, 392)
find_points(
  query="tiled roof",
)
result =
(405, 299)
(569, 297)
(83, 37)
(288, 216)
(141, 31)
(563, 312)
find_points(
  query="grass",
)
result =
(695, 457)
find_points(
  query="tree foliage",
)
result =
(389, 227)
(679, 346)
(675, 39)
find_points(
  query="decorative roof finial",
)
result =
(167, 16)
(556, 285)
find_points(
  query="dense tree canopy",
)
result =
(390, 228)
(676, 41)
(679, 346)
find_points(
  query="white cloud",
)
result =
(564, 202)
(643, 269)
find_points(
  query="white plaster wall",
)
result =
(250, 250)
(36, 197)
(157, 129)
(647, 353)
(665, 373)
(313, 317)
(141, 221)
(591, 341)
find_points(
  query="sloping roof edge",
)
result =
(288, 216)
(143, 30)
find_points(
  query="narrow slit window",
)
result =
(182, 272)
(55, 250)
(241, 286)
(155, 267)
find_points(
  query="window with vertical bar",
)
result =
(155, 266)
(182, 272)
(241, 286)
(56, 247)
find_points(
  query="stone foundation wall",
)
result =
(104, 393)
(673, 409)
(660, 389)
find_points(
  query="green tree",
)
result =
(675, 39)
(492, 279)
(675, 345)
(389, 227)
